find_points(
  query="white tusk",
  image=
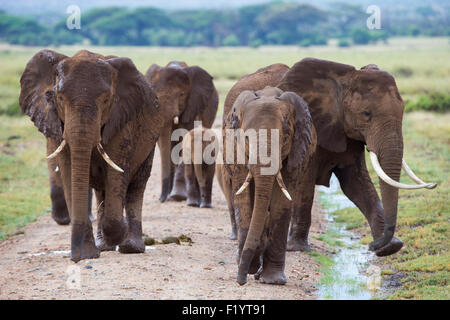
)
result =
(387, 179)
(58, 150)
(415, 178)
(107, 158)
(175, 120)
(283, 186)
(245, 184)
(57, 169)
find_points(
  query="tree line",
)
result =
(274, 23)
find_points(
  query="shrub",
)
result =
(231, 41)
(343, 43)
(439, 102)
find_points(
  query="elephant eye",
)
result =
(366, 113)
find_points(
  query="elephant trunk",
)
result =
(81, 139)
(263, 196)
(389, 150)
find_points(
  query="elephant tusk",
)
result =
(283, 186)
(415, 178)
(57, 169)
(383, 176)
(58, 150)
(175, 120)
(245, 184)
(107, 158)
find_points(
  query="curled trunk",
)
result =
(389, 150)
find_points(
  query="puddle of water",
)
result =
(345, 280)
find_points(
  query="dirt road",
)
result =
(36, 264)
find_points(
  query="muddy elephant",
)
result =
(186, 94)
(105, 119)
(267, 76)
(199, 158)
(352, 110)
(263, 191)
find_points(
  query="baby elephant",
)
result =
(265, 186)
(199, 157)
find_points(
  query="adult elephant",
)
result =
(351, 109)
(105, 119)
(262, 191)
(186, 94)
(267, 76)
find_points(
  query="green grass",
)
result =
(420, 65)
(424, 215)
(24, 187)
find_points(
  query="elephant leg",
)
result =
(167, 173)
(193, 192)
(226, 187)
(205, 183)
(358, 187)
(301, 215)
(134, 243)
(60, 211)
(274, 256)
(179, 185)
(99, 240)
(114, 226)
(91, 216)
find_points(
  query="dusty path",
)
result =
(205, 270)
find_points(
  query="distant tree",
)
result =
(231, 41)
(360, 36)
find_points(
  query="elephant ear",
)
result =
(302, 137)
(201, 94)
(320, 83)
(133, 94)
(37, 97)
(153, 72)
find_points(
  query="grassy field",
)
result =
(420, 66)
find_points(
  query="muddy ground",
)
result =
(31, 269)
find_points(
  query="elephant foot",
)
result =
(295, 244)
(193, 202)
(61, 217)
(255, 265)
(166, 185)
(132, 245)
(271, 276)
(233, 235)
(83, 245)
(100, 243)
(134, 242)
(114, 231)
(392, 247)
(204, 204)
(177, 197)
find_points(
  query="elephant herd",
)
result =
(102, 119)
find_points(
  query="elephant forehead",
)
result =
(87, 75)
(269, 92)
(172, 77)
